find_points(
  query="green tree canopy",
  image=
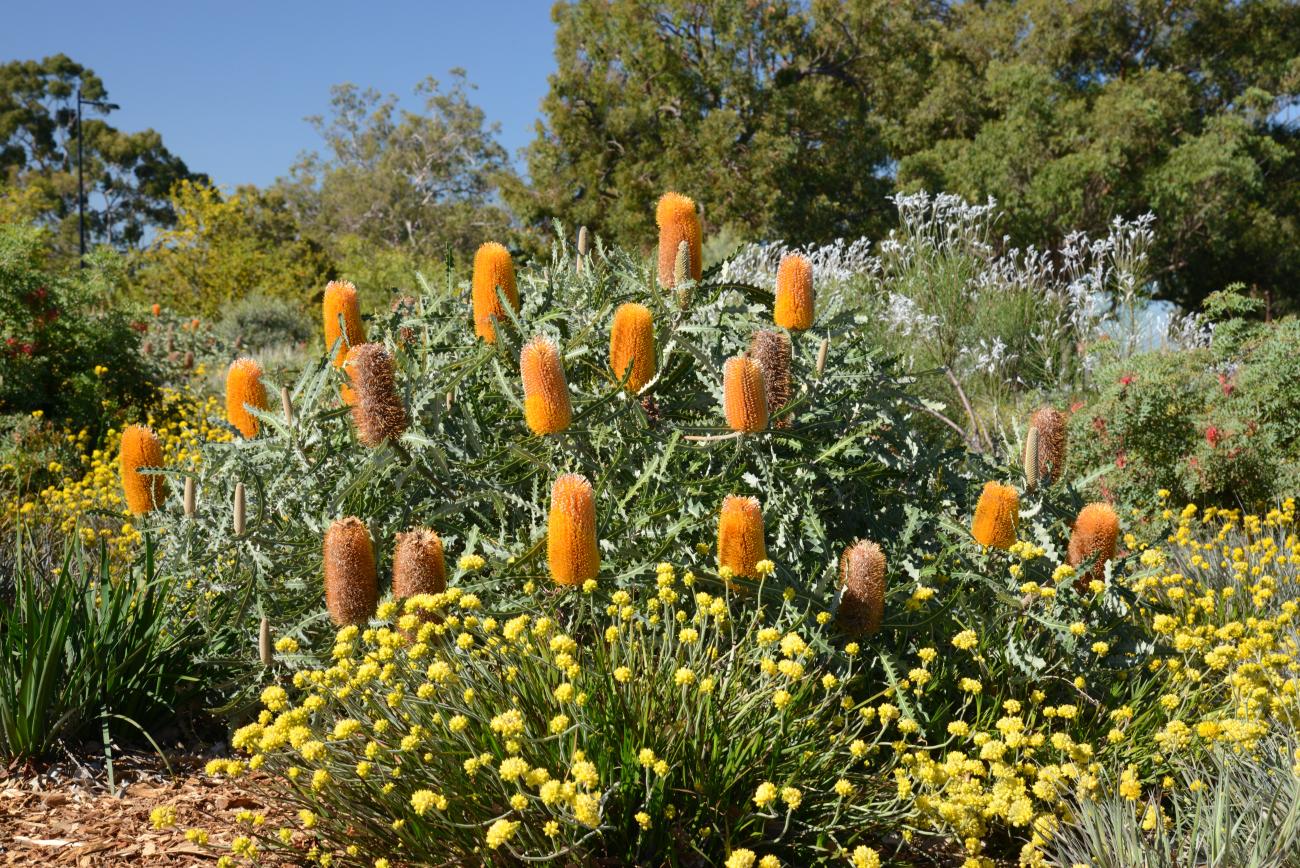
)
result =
(419, 182)
(127, 175)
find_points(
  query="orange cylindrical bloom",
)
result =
(418, 564)
(744, 394)
(1095, 532)
(493, 269)
(351, 585)
(632, 345)
(141, 448)
(244, 389)
(546, 393)
(571, 548)
(793, 308)
(678, 222)
(740, 535)
(997, 515)
(342, 319)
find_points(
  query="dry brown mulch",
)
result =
(66, 814)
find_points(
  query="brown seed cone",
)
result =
(1050, 423)
(244, 389)
(997, 515)
(493, 268)
(376, 407)
(351, 586)
(571, 548)
(744, 395)
(141, 447)
(793, 306)
(418, 564)
(547, 408)
(862, 588)
(632, 345)
(1095, 532)
(675, 215)
(771, 350)
(740, 535)
(405, 305)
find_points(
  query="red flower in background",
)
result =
(1213, 435)
(1126, 380)
(1226, 385)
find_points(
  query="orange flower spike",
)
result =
(351, 585)
(418, 564)
(141, 448)
(793, 308)
(740, 535)
(571, 548)
(632, 345)
(744, 395)
(244, 389)
(547, 409)
(1095, 532)
(677, 220)
(493, 268)
(341, 306)
(997, 515)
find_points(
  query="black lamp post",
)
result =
(81, 189)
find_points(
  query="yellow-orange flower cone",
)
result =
(862, 588)
(1095, 533)
(493, 268)
(744, 395)
(740, 535)
(632, 345)
(418, 564)
(351, 585)
(675, 215)
(141, 448)
(571, 548)
(997, 515)
(547, 409)
(341, 306)
(244, 389)
(793, 308)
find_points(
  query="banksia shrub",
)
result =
(418, 564)
(571, 548)
(351, 586)
(493, 268)
(376, 407)
(342, 315)
(771, 350)
(1095, 532)
(996, 516)
(678, 222)
(546, 393)
(793, 308)
(862, 588)
(740, 535)
(141, 448)
(744, 395)
(1050, 424)
(244, 389)
(632, 345)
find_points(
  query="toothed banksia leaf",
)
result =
(793, 307)
(571, 549)
(862, 588)
(141, 448)
(677, 221)
(547, 409)
(1095, 533)
(341, 312)
(744, 395)
(997, 515)
(632, 345)
(376, 407)
(493, 269)
(244, 389)
(351, 586)
(418, 564)
(740, 535)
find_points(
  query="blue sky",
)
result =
(229, 83)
